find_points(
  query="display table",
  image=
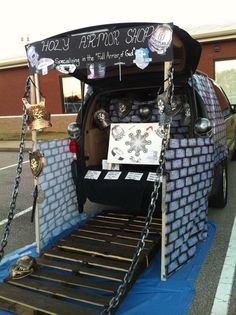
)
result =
(125, 188)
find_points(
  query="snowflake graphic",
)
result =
(138, 142)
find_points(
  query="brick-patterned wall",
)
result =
(190, 171)
(178, 130)
(59, 211)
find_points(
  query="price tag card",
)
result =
(134, 176)
(152, 177)
(113, 175)
(92, 175)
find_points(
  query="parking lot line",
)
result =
(17, 215)
(223, 293)
(13, 165)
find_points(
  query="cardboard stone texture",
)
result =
(185, 200)
(59, 210)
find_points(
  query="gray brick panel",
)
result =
(183, 172)
(59, 210)
(179, 213)
(190, 171)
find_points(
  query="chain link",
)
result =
(141, 244)
(12, 207)
(165, 124)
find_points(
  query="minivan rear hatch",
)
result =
(116, 54)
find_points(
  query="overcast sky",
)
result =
(44, 18)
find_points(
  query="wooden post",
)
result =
(35, 99)
(167, 66)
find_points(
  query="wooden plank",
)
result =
(135, 235)
(83, 270)
(41, 302)
(14, 308)
(125, 234)
(154, 223)
(106, 238)
(126, 221)
(120, 215)
(97, 230)
(110, 226)
(61, 291)
(113, 221)
(105, 225)
(88, 259)
(76, 280)
(117, 217)
(100, 249)
(120, 250)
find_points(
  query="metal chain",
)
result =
(166, 121)
(12, 207)
(141, 244)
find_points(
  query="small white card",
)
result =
(92, 175)
(112, 175)
(110, 166)
(134, 176)
(152, 177)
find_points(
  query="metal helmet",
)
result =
(24, 266)
(73, 130)
(145, 112)
(203, 127)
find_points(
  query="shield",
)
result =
(102, 119)
(161, 39)
(123, 107)
(36, 162)
(145, 113)
(142, 59)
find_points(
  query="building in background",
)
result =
(63, 93)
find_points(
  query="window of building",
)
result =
(225, 76)
(71, 94)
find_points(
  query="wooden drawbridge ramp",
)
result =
(82, 272)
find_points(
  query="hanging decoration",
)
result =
(36, 162)
(38, 117)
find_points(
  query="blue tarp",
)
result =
(149, 295)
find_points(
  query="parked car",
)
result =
(202, 105)
(219, 193)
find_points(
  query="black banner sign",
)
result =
(101, 48)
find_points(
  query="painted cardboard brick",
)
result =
(59, 209)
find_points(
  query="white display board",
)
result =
(138, 143)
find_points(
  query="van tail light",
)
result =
(73, 148)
